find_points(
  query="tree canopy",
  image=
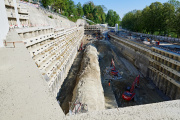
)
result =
(157, 18)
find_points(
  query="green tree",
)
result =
(46, 2)
(80, 9)
(128, 21)
(175, 3)
(146, 19)
(168, 17)
(177, 22)
(156, 20)
(138, 25)
(60, 4)
(112, 18)
(94, 13)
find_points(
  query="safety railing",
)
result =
(5, 43)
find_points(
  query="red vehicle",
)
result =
(129, 95)
(113, 70)
(111, 73)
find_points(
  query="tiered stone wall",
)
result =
(53, 51)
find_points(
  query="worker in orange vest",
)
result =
(109, 82)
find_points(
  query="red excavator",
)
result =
(113, 69)
(111, 73)
(129, 94)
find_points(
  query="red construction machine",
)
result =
(111, 73)
(113, 69)
(129, 94)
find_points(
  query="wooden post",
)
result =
(5, 42)
(14, 44)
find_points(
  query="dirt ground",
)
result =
(146, 93)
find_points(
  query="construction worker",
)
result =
(109, 82)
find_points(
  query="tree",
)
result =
(94, 13)
(88, 7)
(71, 8)
(138, 25)
(175, 3)
(177, 22)
(146, 19)
(168, 17)
(80, 9)
(156, 17)
(112, 18)
(46, 2)
(60, 4)
(128, 21)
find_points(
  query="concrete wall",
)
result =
(3, 23)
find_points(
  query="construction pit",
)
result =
(146, 92)
(46, 73)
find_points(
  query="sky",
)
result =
(122, 6)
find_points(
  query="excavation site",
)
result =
(87, 83)
(59, 66)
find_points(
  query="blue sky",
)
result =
(122, 6)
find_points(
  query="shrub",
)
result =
(50, 16)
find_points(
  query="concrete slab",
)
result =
(24, 93)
